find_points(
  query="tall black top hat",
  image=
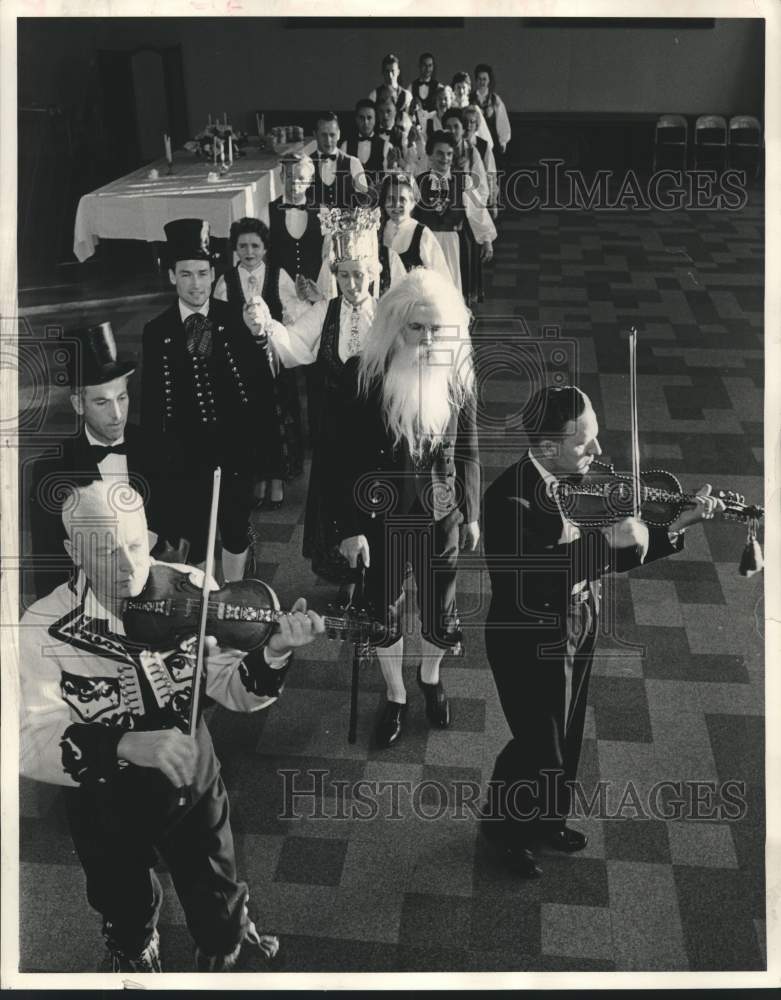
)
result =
(94, 358)
(188, 239)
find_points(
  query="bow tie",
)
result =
(198, 330)
(301, 207)
(327, 156)
(101, 451)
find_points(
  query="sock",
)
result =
(430, 661)
(233, 564)
(391, 660)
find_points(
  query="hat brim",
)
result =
(124, 365)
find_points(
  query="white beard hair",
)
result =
(416, 400)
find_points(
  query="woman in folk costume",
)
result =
(462, 98)
(471, 122)
(415, 244)
(443, 99)
(329, 336)
(492, 107)
(448, 204)
(407, 151)
(278, 447)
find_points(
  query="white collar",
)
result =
(185, 310)
(548, 478)
(255, 270)
(100, 444)
(369, 304)
(94, 609)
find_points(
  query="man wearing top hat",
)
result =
(106, 447)
(206, 388)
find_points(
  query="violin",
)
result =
(241, 615)
(655, 496)
(605, 496)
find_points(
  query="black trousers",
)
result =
(191, 504)
(544, 701)
(120, 834)
(431, 547)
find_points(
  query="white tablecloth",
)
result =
(136, 208)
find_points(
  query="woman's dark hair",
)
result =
(248, 225)
(462, 77)
(452, 113)
(550, 409)
(389, 60)
(485, 68)
(394, 180)
(440, 137)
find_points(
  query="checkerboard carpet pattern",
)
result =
(676, 697)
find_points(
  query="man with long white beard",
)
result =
(405, 481)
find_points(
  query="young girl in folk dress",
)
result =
(415, 244)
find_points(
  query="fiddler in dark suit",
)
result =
(543, 620)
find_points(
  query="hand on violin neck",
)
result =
(297, 628)
(626, 534)
(706, 508)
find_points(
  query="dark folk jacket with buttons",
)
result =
(372, 478)
(534, 575)
(204, 411)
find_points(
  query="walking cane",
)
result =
(361, 654)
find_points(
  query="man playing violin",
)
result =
(105, 718)
(542, 624)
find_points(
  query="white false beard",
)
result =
(417, 400)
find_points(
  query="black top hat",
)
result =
(94, 358)
(188, 239)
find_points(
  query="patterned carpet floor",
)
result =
(369, 861)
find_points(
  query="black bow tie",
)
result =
(301, 207)
(327, 156)
(100, 451)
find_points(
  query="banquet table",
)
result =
(136, 207)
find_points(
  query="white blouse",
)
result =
(398, 238)
(299, 343)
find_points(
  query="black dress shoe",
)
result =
(514, 855)
(564, 839)
(437, 705)
(390, 724)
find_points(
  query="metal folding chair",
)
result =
(671, 133)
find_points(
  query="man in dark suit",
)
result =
(542, 624)
(340, 181)
(424, 89)
(105, 447)
(206, 385)
(405, 481)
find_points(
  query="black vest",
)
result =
(340, 194)
(235, 292)
(411, 256)
(430, 102)
(375, 162)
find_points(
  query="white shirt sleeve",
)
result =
(299, 343)
(483, 131)
(431, 254)
(503, 130)
(397, 269)
(292, 306)
(220, 290)
(358, 175)
(481, 224)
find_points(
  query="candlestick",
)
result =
(222, 151)
(259, 125)
(168, 154)
(230, 150)
(214, 150)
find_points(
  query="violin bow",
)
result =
(201, 648)
(637, 485)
